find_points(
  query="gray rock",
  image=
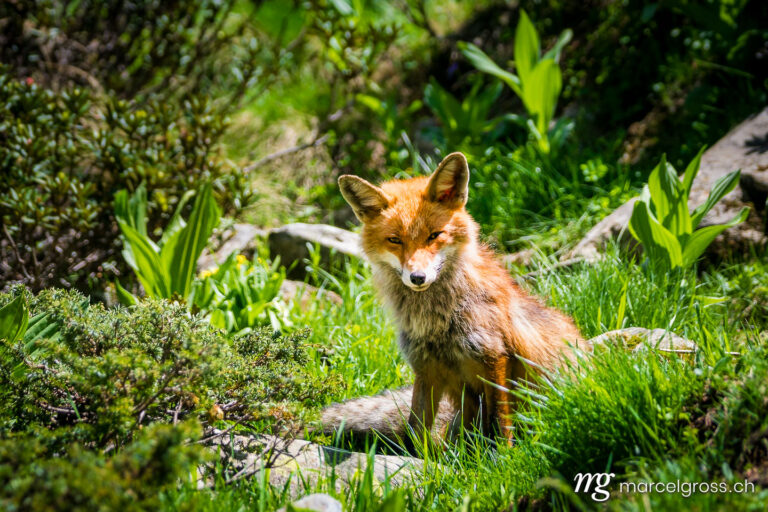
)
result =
(305, 293)
(292, 460)
(317, 502)
(746, 148)
(639, 338)
(289, 242)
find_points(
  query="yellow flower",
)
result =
(208, 273)
(241, 260)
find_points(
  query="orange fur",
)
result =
(465, 326)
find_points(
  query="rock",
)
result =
(305, 293)
(245, 456)
(317, 502)
(746, 148)
(524, 257)
(639, 338)
(237, 239)
(289, 242)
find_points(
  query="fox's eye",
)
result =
(394, 240)
(434, 235)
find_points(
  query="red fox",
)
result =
(466, 328)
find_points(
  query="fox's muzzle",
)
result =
(421, 269)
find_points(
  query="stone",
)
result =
(521, 258)
(289, 242)
(639, 339)
(245, 456)
(317, 502)
(305, 294)
(746, 148)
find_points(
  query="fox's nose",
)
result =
(418, 277)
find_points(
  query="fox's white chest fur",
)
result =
(434, 324)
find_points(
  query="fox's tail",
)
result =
(386, 414)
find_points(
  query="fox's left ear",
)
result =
(449, 184)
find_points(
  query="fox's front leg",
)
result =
(426, 400)
(498, 400)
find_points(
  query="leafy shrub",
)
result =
(165, 46)
(64, 155)
(106, 374)
(99, 406)
(538, 81)
(35, 476)
(661, 221)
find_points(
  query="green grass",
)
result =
(639, 415)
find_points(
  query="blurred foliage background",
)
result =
(274, 99)
(114, 114)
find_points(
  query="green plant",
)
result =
(538, 81)
(34, 475)
(108, 372)
(466, 121)
(107, 406)
(166, 269)
(239, 295)
(131, 48)
(64, 155)
(661, 220)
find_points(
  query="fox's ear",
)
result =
(366, 200)
(449, 184)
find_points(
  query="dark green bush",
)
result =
(110, 372)
(125, 47)
(100, 412)
(697, 67)
(64, 155)
(33, 476)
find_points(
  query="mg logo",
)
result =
(601, 480)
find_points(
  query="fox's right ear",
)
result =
(366, 200)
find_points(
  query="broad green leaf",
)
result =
(541, 92)
(177, 222)
(133, 210)
(554, 53)
(701, 238)
(657, 241)
(479, 104)
(168, 251)
(41, 326)
(526, 47)
(663, 190)
(677, 219)
(484, 63)
(444, 105)
(691, 172)
(218, 319)
(192, 239)
(148, 266)
(14, 318)
(722, 187)
(125, 297)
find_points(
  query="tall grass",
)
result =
(638, 415)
